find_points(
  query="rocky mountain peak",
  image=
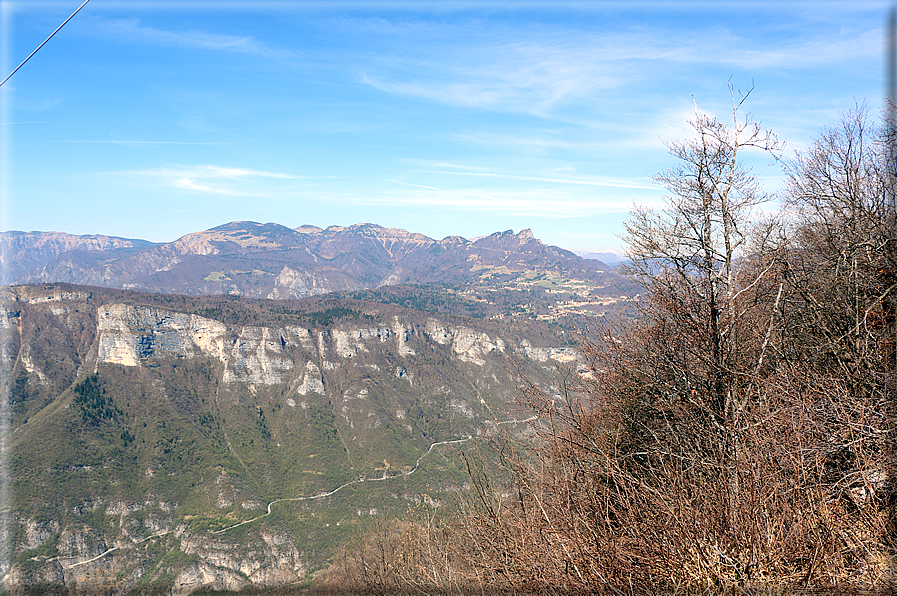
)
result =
(366, 229)
(235, 226)
(253, 228)
(237, 236)
(21, 252)
(450, 241)
(507, 240)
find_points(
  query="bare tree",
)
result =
(697, 251)
(838, 193)
(711, 263)
(841, 301)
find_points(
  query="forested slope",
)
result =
(168, 443)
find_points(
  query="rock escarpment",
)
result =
(129, 335)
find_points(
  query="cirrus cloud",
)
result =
(214, 179)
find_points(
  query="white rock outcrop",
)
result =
(129, 334)
(349, 342)
(312, 381)
(469, 345)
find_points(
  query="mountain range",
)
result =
(273, 261)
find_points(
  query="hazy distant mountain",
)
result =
(22, 252)
(274, 261)
(609, 258)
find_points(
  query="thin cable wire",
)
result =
(42, 45)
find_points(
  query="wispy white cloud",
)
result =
(506, 202)
(132, 30)
(440, 164)
(550, 70)
(796, 54)
(242, 172)
(532, 141)
(214, 179)
(191, 184)
(429, 164)
(415, 185)
(669, 123)
(593, 181)
(209, 171)
(504, 76)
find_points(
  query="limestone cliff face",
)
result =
(296, 283)
(129, 335)
(229, 565)
(469, 345)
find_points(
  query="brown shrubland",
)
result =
(737, 436)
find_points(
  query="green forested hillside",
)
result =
(150, 433)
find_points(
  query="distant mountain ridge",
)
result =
(609, 258)
(21, 252)
(273, 261)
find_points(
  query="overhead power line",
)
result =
(42, 45)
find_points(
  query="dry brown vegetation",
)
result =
(738, 437)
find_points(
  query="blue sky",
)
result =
(155, 119)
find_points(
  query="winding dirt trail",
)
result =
(114, 548)
(308, 498)
(361, 480)
(364, 479)
(347, 484)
